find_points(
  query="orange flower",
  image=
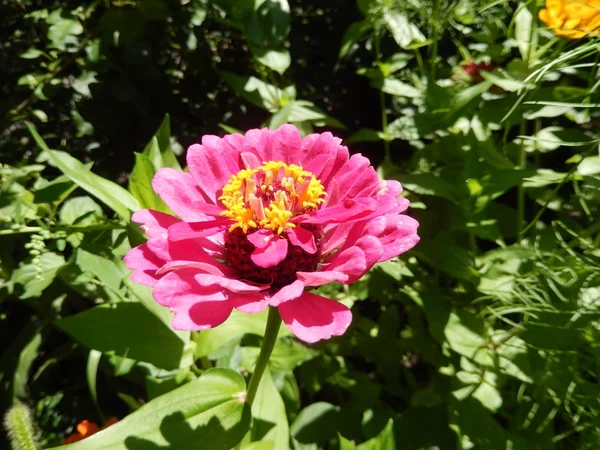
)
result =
(86, 428)
(572, 18)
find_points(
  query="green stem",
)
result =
(436, 37)
(572, 170)
(521, 190)
(384, 118)
(69, 229)
(420, 62)
(271, 331)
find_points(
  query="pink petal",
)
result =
(154, 223)
(315, 145)
(312, 317)
(212, 164)
(318, 163)
(271, 254)
(285, 146)
(391, 187)
(256, 140)
(250, 160)
(336, 236)
(321, 278)
(208, 209)
(372, 248)
(249, 303)
(202, 267)
(396, 232)
(195, 307)
(357, 176)
(302, 238)
(202, 315)
(205, 279)
(179, 192)
(349, 209)
(351, 261)
(144, 264)
(286, 293)
(261, 238)
(200, 249)
(193, 230)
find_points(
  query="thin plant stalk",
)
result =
(266, 349)
(521, 188)
(384, 118)
(436, 36)
(271, 332)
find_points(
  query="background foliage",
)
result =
(485, 336)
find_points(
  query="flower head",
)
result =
(86, 428)
(574, 19)
(474, 70)
(261, 218)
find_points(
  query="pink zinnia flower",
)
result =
(261, 218)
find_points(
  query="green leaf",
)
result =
(404, 32)
(63, 32)
(544, 177)
(16, 362)
(465, 334)
(286, 356)
(143, 294)
(589, 166)
(383, 441)
(345, 444)
(466, 96)
(140, 184)
(259, 445)
(81, 211)
(353, 34)
(91, 373)
(269, 24)
(257, 92)
(37, 277)
(111, 194)
(268, 412)
(429, 184)
(81, 84)
(210, 410)
(445, 255)
(316, 424)
(523, 30)
(237, 325)
(159, 149)
(129, 330)
(110, 274)
(514, 359)
(31, 53)
(301, 111)
(276, 59)
(396, 87)
(479, 384)
(365, 135)
(508, 84)
(54, 191)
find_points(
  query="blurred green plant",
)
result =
(485, 336)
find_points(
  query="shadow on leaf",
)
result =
(180, 435)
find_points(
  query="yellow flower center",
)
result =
(270, 196)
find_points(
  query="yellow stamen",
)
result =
(270, 196)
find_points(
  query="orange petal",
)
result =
(109, 422)
(72, 438)
(87, 428)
